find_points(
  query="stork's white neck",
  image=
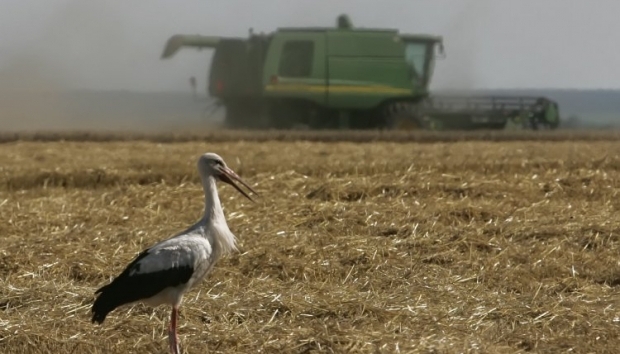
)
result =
(213, 207)
(214, 219)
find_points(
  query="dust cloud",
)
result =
(30, 97)
(457, 72)
(85, 40)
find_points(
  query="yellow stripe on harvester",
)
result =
(337, 88)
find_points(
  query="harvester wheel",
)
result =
(234, 117)
(401, 116)
(241, 115)
(406, 122)
(282, 116)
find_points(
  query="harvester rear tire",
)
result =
(238, 117)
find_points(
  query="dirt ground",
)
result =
(462, 247)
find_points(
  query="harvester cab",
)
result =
(420, 55)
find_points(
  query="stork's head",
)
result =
(212, 165)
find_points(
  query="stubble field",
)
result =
(447, 247)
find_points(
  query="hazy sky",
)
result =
(489, 43)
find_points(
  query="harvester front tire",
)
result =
(402, 117)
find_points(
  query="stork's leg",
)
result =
(172, 331)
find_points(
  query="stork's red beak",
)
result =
(229, 176)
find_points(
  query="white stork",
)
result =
(164, 272)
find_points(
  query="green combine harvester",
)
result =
(347, 78)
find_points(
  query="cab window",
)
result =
(296, 60)
(415, 54)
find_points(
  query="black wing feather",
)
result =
(127, 288)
